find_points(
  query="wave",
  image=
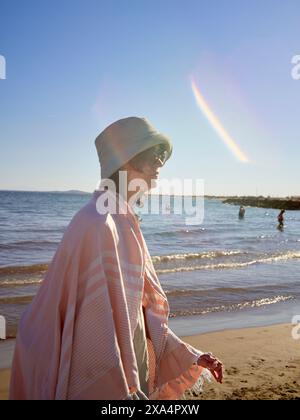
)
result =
(197, 292)
(229, 308)
(34, 230)
(231, 265)
(175, 233)
(291, 287)
(41, 268)
(17, 283)
(28, 244)
(16, 299)
(23, 269)
(192, 256)
(19, 301)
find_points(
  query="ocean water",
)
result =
(223, 266)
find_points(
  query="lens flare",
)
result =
(217, 125)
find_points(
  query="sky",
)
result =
(215, 76)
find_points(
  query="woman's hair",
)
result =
(115, 177)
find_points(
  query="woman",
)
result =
(98, 326)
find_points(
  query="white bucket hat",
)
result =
(124, 139)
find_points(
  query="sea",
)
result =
(219, 272)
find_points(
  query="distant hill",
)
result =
(52, 192)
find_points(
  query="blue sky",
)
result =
(73, 67)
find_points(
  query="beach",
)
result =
(260, 363)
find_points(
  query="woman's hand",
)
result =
(210, 362)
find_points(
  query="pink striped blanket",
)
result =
(75, 340)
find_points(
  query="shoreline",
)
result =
(260, 363)
(264, 316)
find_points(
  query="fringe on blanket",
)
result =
(194, 391)
(197, 388)
(138, 395)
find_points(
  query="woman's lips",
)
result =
(153, 174)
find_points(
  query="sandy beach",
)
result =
(4, 383)
(260, 363)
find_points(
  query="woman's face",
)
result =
(149, 174)
(146, 166)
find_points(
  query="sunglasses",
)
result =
(155, 156)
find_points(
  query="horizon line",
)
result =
(158, 194)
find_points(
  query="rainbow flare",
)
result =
(217, 125)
